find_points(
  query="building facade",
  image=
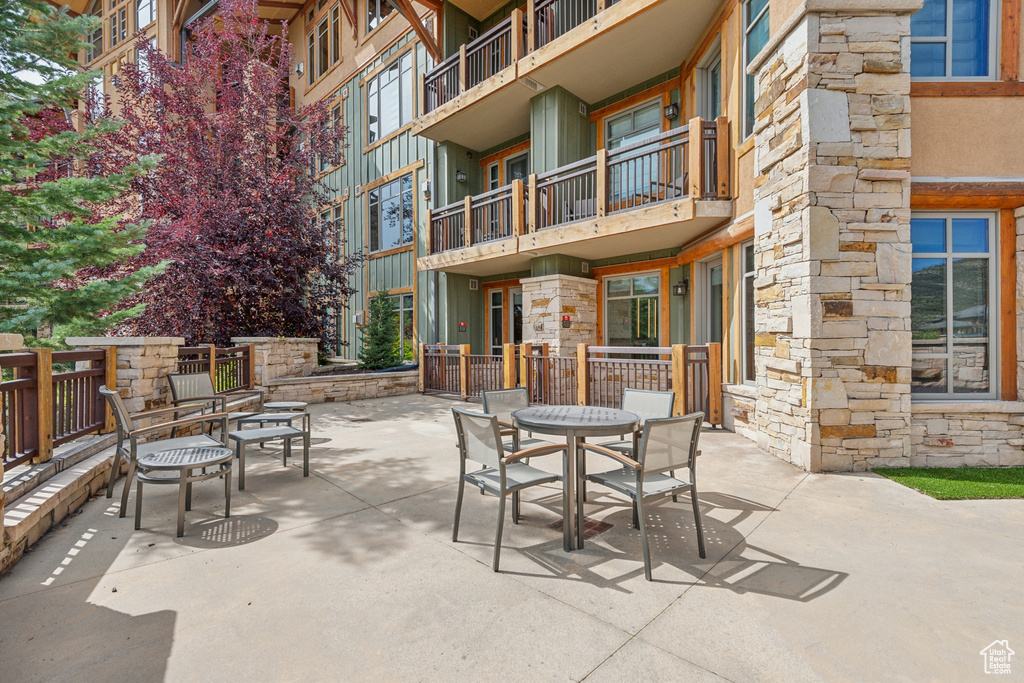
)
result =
(830, 189)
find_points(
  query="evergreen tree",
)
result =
(52, 193)
(380, 335)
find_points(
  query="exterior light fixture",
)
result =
(460, 176)
(672, 111)
(426, 190)
(681, 288)
(565, 321)
(462, 327)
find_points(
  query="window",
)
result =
(953, 295)
(94, 101)
(952, 39)
(323, 42)
(630, 180)
(391, 214)
(389, 99)
(145, 13)
(335, 237)
(711, 85)
(376, 12)
(493, 177)
(95, 39)
(755, 37)
(749, 273)
(632, 305)
(142, 61)
(118, 26)
(404, 309)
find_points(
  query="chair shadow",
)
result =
(731, 563)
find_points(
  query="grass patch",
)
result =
(960, 483)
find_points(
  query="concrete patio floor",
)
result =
(351, 574)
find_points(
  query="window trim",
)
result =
(404, 246)
(744, 276)
(381, 21)
(314, 18)
(394, 60)
(994, 47)
(994, 308)
(747, 24)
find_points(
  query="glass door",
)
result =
(517, 167)
(713, 301)
(496, 317)
(632, 180)
(515, 315)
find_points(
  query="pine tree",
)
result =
(52, 221)
(380, 335)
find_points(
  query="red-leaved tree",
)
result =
(234, 199)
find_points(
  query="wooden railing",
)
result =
(554, 18)
(493, 215)
(232, 367)
(596, 376)
(48, 398)
(493, 52)
(645, 173)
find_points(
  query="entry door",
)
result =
(496, 315)
(515, 315)
(517, 167)
(504, 310)
(712, 301)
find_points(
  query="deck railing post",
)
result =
(545, 371)
(679, 379)
(601, 180)
(722, 153)
(518, 207)
(715, 383)
(531, 26)
(464, 371)
(252, 366)
(467, 217)
(211, 349)
(423, 95)
(582, 378)
(110, 381)
(525, 351)
(695, 157)
(508, 364)
(422, 368)
(517, 34)
(430, 230)
(534, 204)
(44, 403)
(462, 68)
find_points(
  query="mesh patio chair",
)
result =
(197, 388)
(480, 441)
(646, 405)
(130, 443)
(666, 444)
(502, 403)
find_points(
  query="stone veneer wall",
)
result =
(958, 435)
(143, 364)
(331, 388)
(281, 357)
(832, 235)
(546, 299)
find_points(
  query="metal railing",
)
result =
(608, 377)
(231, 368)
(441, 369)
(448, 228)
(567, 194)
(549, 380)
(554, 18)
(441, 84)
(703, 371)
(649, 172)
(49, 398)
(489, 54)
(493, 215)
(484, 373)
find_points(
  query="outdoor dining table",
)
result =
(575, 423)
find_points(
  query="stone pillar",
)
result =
(277, 357)
(832, 235)
(546, 299)
(143, 364)
(1019, 217)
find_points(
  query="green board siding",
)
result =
(559, 134)
(397, 270)
(452, 158)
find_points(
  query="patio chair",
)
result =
(480, 441)
(647, 405)
(502, 403)
(131, 446)
(197, 388)
(667, 444)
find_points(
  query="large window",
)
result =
(118, 22)
(953, 295)
(404, 309)
(632, 180)
(755, 37)
(632, 305)
(749, 273)
(952, 39)
(389, 99)
(95, 39)
(323, 40)
(376, 12)
(391, 217)
(145, 13)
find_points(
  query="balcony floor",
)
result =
(351, 575)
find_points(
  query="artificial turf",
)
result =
(960, 483)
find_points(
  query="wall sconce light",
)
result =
(462, 327)
(426, 190)
(672, 111)
(460, 176)
(681, 288)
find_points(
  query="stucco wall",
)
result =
(967, 136)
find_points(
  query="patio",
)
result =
(351, 575)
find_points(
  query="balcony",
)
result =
(480, 96)
(664, 190)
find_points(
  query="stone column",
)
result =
(832, 235)
(1019, 217)
(281, 357)
(143, 364)
(546, 299)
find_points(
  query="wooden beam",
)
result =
(110, 381)
(508, 365)
(695, 154)
(722, 149)
(714, 384)
(966, 195)
(44, 403)
(679, 379)
(1007, 305)
(716, 239)
(582, 380)
(467, 220)
(518, 208)
(464, 371)
(407, 10)
(601, 182)
(1009, 67)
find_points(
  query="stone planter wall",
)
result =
(277, 357)
(331, 388)
(143, 364)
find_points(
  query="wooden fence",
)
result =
(233, 367)
(48, 398)
(596, 376)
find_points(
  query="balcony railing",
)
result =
(493, 52)
(645, 173)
